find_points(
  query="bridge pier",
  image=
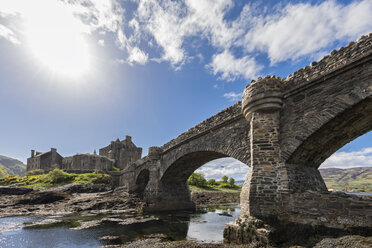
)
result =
(168, 197)
(262, 102)
(160, 195)
(280, 199)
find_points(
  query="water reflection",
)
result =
(206, 225)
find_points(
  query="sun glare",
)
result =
(55, 38)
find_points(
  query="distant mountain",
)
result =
(355, 179)
(239, 182)
(12, 166)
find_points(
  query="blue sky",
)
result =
(76, 74)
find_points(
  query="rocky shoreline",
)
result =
(69, 199)
(88, 199)
(99, 204)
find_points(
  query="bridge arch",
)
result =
(333, 135)
(173, 190)
(181, 169)
(142, 181)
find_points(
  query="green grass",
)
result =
(357, 179)
(63, 223)
(236, 189)
(55, 178)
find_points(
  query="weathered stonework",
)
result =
(118, 153)
(283, 129)
(86, 163)
(122, 152)
(44, 160)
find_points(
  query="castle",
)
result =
(119, 154)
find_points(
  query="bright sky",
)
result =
(76, 74)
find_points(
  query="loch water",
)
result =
(205, 225)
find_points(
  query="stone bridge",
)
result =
(283, 129)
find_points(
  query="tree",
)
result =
(211, 182)
(225, 178)
(197, 179)
(231, 182)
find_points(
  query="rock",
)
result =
(123, 222)
(112, 240)
(9, 190)
(57, 202)
(83, 188)
(43, 224)
(87, 225)
(138, 220)
(42, 197)
(354, 241)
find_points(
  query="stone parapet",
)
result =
(219, 119)
(263, 95)
(155, 152)
(337, 59)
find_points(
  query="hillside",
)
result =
(12, 166)
(357, 179)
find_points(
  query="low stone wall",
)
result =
(302, 215)
(330, 209)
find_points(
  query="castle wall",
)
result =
(86, 163)
(123, 152)
(44, 161)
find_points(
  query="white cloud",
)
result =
(101, 42)
(175, 29)
(232, 96)
(361, 158)
(137, 56)
(230, 68)
(8, 34)
(287, 33)
(303, 29)
(163, 20)
(230, 167)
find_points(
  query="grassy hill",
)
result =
(12, 166)
(357, 179)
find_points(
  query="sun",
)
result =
(56, 39)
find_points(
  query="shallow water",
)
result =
(205, 225)
(359, 193)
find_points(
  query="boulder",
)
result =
(11, 190)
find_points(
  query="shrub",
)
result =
(224, 179)
(212, 182)
(114, 168)
(197, 179)
(59, 176)
(55, 166)
(232, 182)
(10, 179)
(94, 177)
(35, 172)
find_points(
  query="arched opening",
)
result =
(141, 182)
(220, 201)
(345, 127)
(224, 167)
(350, 168)
(183, 167)
(173, 183)
(332, 136)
